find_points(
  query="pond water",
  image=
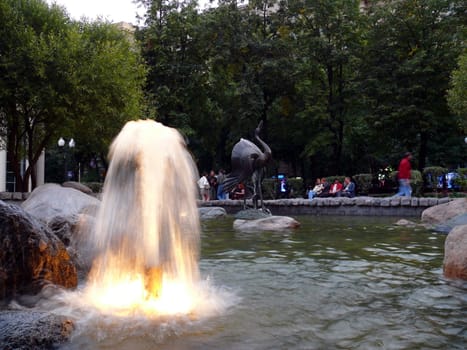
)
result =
(334, 283)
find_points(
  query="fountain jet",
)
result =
(147, 228)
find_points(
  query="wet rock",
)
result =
(443, 212)
(31, 256)
(448, 225)
(207, 213)
(31, 330)
(252, 214)
(51, 200)
(271, 223)
(406, 223)
(74, 231)
(77, 186)
(455, 253)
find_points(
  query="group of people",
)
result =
(211, 185)
(324, 189)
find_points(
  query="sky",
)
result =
(111, 10)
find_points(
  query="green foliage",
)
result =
(339, 89)
(431, 174)
(61, 78)
(416, 181)
(457, 94)
(331, 179)
(406, 75)
(270, 188)
(363, 183)
(297, 188)
(461, 181)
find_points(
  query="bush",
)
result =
(363, 183)
(296, 187)
(461, 181)
(462, 172)
(431, 175)
(270, 188)
(331, 179)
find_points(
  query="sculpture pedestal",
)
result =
(268, 223)
(253, 214)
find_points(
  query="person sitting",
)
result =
(336, 187)
(326, 188)
(316, 190)
(349, 188)
(238, 192)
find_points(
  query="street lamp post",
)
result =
(71, 144)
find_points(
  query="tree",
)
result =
(57, 76)
(412, 47)
(173, 47)
(109, 76)
(328, 39)
(457, 95)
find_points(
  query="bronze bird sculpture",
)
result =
(248, 161)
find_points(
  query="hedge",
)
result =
(363, 182)
(270, 188)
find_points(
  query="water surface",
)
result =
(335, 283)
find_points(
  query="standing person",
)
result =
(220, 184)
(203, 185)
(403, 175)
(284, 188)
(212, 185)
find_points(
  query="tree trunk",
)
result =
(423, 151)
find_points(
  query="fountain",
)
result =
(147, 229)
(144, 282)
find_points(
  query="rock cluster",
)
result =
(31, 256)
(270, 223)
(455, 253)
(27, 329)
(208, 213)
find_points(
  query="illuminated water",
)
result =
(335, 283)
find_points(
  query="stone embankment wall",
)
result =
(14, 196)
(358, 206)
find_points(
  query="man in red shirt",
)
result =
(404, 176)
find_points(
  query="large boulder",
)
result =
(443, 212)
(270, 223)
(31, 256)
(207, 213)
(447, 226)
(51, 200)
(455, 253)
(29, 330)
(77, 186)
(69, 213)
